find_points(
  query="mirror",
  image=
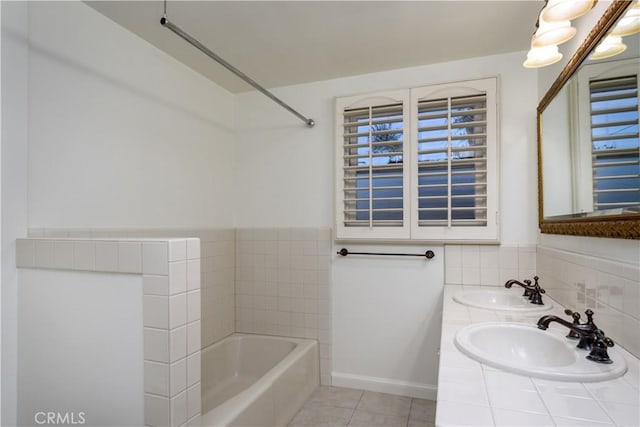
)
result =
(588, 146)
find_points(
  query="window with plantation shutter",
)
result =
(371, 156)
(615, 147)
(418, 164)
(373, 166)
(607, 147)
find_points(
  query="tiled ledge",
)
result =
(138, 256)
(170, 270)
(474, 394)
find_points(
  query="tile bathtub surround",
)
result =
(217, 269)
(488, 265)
(337, 406)
(470, 393)
(283, 280)
(170, 270)
(611, 289)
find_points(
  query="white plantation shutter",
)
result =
(372, 191)
(418, 164)
(607, 147)
(455, 161)
(452, 161)
(615, 147)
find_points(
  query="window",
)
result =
(615, 147)
(607, 143)
(372, 157)
(418, 164)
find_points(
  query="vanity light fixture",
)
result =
(542, 56)
(554, 28)
(552, 33)
(610, 46)
(562, 10)
(629, 23)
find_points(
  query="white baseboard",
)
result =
(385, 385)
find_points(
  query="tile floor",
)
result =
(340, 407)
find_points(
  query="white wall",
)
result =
(121, 135)
(14, 186)
(98, 116)
(385, 312)
(93, 367)
(284, 175)
(386, 322)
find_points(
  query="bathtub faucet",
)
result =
(591, 337)
(533, 292)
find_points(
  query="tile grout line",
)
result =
(410, 409)
(543, 402)
(593, 396)
(355, 407)
(486, 390)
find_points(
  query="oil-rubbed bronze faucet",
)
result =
(533, 292)
(591, 337)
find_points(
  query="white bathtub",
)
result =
(257, 380)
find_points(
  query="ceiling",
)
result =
(280, 43)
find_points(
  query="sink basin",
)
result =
(511, 300)
(526, 350)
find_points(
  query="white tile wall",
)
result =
(106, 256)
(171, 310)
(488, 265)
(283, 285)
(217, 285)
(155, 258)
(156, 410)
(45, 254)
(209, 266)
(203, 270)
(130, 257)
(610, 288)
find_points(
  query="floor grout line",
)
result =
(327, 400)
(355, 407)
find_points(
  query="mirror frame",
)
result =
(615, 226)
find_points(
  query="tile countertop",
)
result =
(474, 394)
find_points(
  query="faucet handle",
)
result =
(599, 349)
(536, 295)
(589, 314)
(576, 321)
(574, 314)
(608, 341)
(536, 292)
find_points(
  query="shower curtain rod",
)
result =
(179, 32)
